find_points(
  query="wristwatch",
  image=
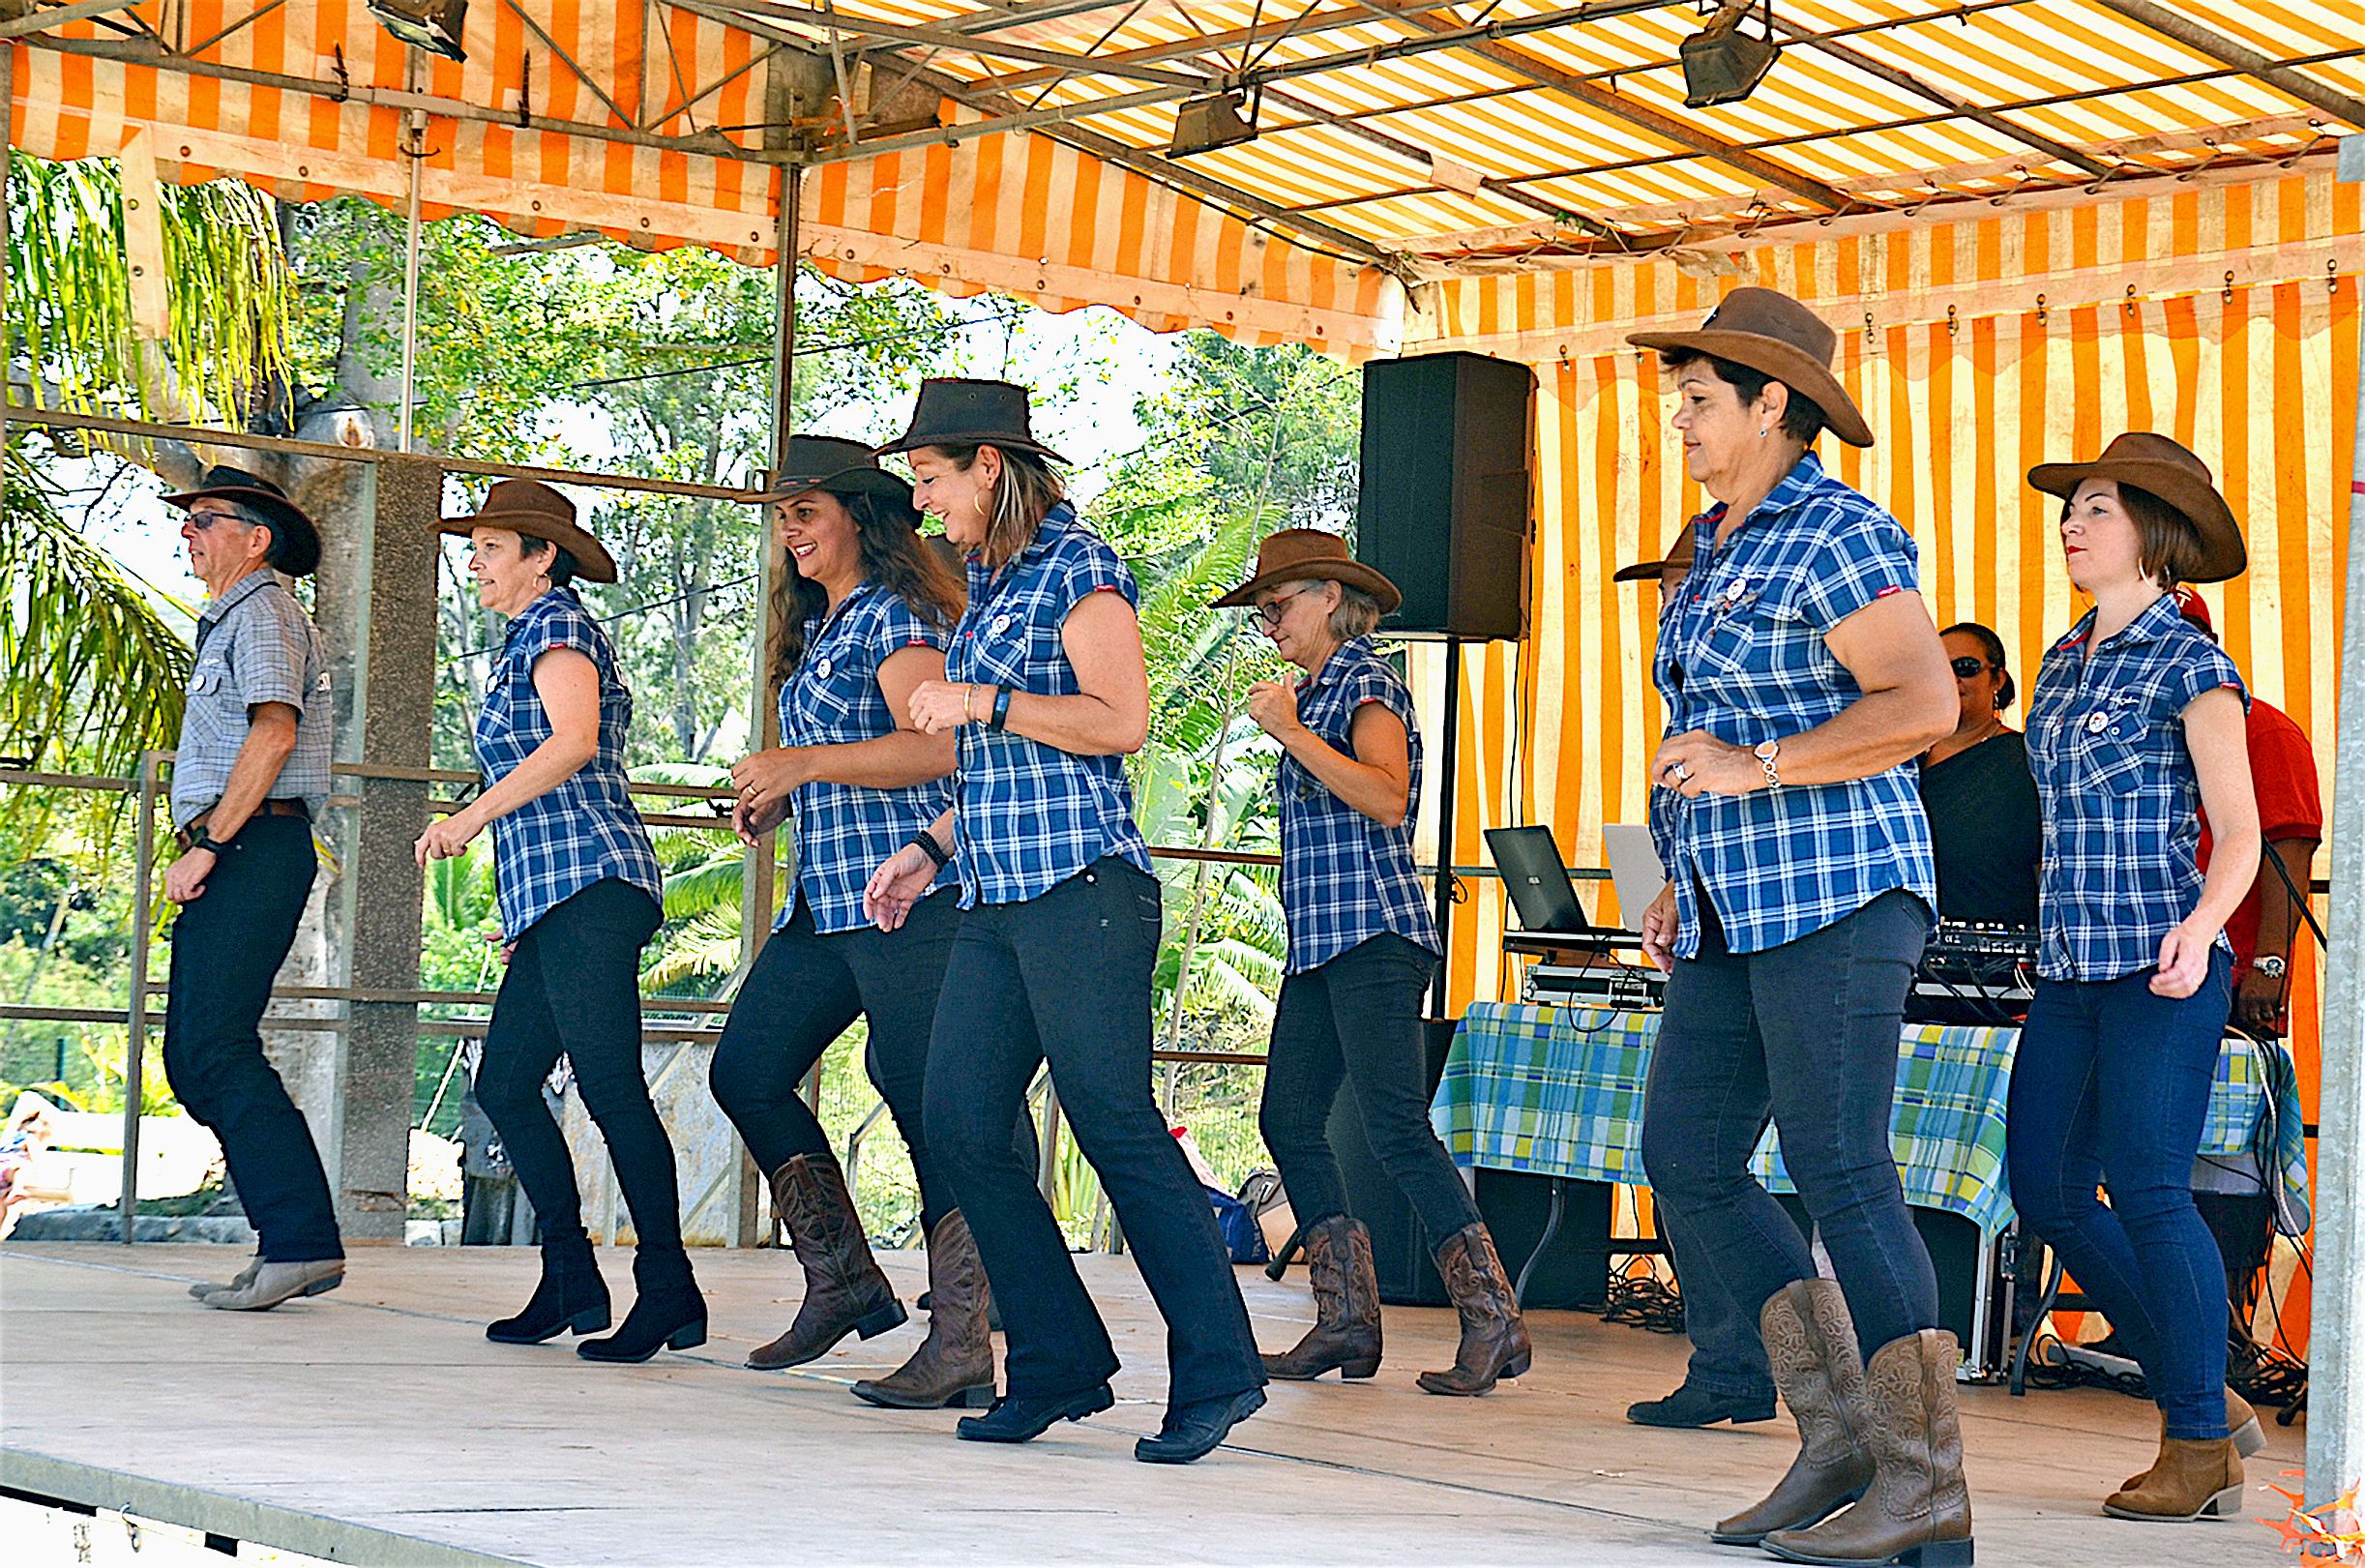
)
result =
(2269, 966)
(1765, 751)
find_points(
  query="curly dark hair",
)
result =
(894, 556)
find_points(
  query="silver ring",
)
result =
(1681, 771)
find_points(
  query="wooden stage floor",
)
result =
(378, 1425)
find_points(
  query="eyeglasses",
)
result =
(202, 521)
(1273, 609)
(1969, 668)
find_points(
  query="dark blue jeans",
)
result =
(1065, 977)
(1806, 1031)
(1357, 1018)
(2110, 1087)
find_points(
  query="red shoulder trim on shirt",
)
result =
(1892, 588)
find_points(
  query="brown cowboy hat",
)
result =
(295, 540)
(826, 462)
(2166, 469)
(958, 412)
(1652, 570)
(1774, 335)
(1299, 554)
(531, 508)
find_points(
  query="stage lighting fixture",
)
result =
(432, 25)
(1201, 124)
(1723, 64)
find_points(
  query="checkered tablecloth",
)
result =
(1557, 1091)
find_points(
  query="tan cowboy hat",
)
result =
(1774, 335)
(531, 508)
(2164, 468)
(1652, 570)
(1299, 554)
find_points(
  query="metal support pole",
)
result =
(136, 1039)
(2336, 1387)
(1449, 768)
(417, 153)
(8, 139)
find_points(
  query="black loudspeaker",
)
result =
(1964, 1270)
(1444, 507)
(1515, 1207)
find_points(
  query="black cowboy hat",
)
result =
(955, 411)
(295, 540)
(825, 462)
(531, 508)
(1774, 335)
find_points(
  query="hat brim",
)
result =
(1354, 574)
(1640, 571)
(1787, 363)
(2223, 554)
(910, 441)
(299, 543)
(592, 562)
(859, 476)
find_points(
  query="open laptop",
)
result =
(1634, 869)
(1538, 881)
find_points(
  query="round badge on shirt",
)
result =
(821, 667)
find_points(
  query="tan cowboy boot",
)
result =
(954, 1365)
(2241, 1423)
(1811, 1345)
(1494, 1338)
(2195, 1479)
(1346, 1331)
(238, 1282)
(845, 1291)
(1917, 1510)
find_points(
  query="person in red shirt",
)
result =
(2291, 820)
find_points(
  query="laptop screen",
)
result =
(1537, 879)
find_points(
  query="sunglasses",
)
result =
(1969, 668)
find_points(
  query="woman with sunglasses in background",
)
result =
(1984, 827)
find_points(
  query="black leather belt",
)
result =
(269, 808)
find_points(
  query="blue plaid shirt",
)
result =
(2106, 742)
(1032, 815)
(1345, 878)
(584, 830)
(842, 832)
(1741, 655)
(255, 645)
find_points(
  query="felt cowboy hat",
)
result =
(825, 462)
(1652, 570)
(1774, 335)
(1302, 554)
(295, 541)
(2162, 467)
(531, 508)
(955, 411)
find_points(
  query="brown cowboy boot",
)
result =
(954, 1365)
(2241, 1423)
(1494, 1338)
(1811, 1344)
(845, 1291)
(1346, 1331)
(2195, 1479)
(1917, 1510)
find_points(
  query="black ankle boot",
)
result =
(667, 1312)
(571, 1295)
(1019, 1419)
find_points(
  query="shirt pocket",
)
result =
(212, 707)
(1753, 630)
(2112, 765)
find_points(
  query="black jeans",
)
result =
(574, 988)
(1807, 1030)
(1065, 977)
(1357, 1018)
(227, 946)
(802, 993)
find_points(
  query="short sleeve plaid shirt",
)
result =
(254, 645)
(1345, 878)
(844, 831)
(1741, 655)
(2106, 742)
(584, 830)
(1032, 815)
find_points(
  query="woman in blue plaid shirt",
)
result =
(1802, 676)
(1363, 948)
(1045, 693)
(580, 890)
(2138, 718)
(865, 608)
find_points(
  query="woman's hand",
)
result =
(1697, 763)
(1273, 705)
(900, 881)
(765, 781)
(2184, 958)
(1659, 931)
(938, 706)
(447, 836)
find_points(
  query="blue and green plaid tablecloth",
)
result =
(1559, 1091)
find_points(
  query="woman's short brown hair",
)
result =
(2168, 543)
